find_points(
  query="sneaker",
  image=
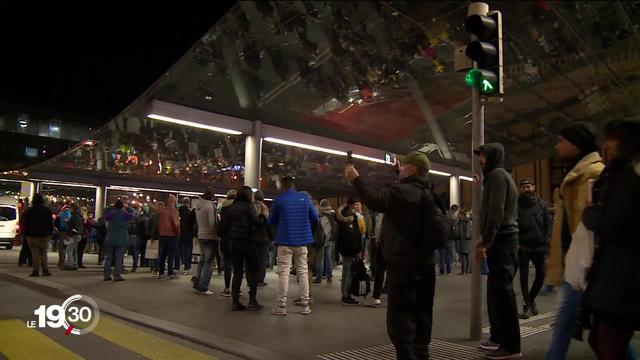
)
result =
(118, 279)
(262, 284)
(46, 273)
(186, 272)
(34, 274)
(238, 307)
(349, 301)
(135, 269)
(489, 346)
(279, 311)
(298, 302)
(374, 302)
(255, 306)
(306, 310)
(206, 292)
(174, 276)
(502, 354)
(225, 293)
(449, 274)
(525, 312)
(162, 277)
(154, 273)
(534, 310)
(108, 278)
(317, 281)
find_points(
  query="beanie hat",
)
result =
(527, 181)
(582, 135)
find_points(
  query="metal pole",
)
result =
(477, 139)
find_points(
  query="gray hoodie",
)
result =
(499, 213)
(207, 220)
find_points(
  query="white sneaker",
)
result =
(375, 303)
(186, 272)
(306, 310)
(281, 311)
(208, 292)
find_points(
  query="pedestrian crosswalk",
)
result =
(19, 342)
(438, 349)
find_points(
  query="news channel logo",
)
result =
(78, 315)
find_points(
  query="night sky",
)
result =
(94, 61)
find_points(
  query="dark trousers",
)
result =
(263, 259)
(168, 245)
(24, 258)
(465, 263)
(379, 270)
(610, 341)
(501, 299)
(101, 249)
(244, 256)
(142, 248)
(410, 312)
(185, 249)
(537, 257)
(227, 265)
(82, 245)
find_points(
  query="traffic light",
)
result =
(486, 51)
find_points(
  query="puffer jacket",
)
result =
(349, 242)
(238, 224)
(572, 200)
(534, 224)
(293, 213)
(403, 241)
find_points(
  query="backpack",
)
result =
(319, 236)
(437, 223)
(360, 281)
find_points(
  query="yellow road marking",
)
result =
(19, 342)
(147, 345)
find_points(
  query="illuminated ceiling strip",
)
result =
(441, 173)
(193, 124)
(138, 189)
(466, 178)
(368, 158)
(10, 180)
(60, 183)
(305, 146)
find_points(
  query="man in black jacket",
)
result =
(499, 227)
(411, 273)
(534, 232)
(349, 244)
(37, 224)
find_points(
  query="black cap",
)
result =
(582, 135)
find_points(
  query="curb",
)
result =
(200, 337)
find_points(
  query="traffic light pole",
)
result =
(477, 139)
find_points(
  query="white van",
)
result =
(9, 221)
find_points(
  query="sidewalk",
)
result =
(173, 307)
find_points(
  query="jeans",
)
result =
(565, 321)
(318, 261)
(185, 249)
(114, 256)
(347, 262)
(71, 256)
(38, 247)
(61, 249)
(297, 255)
(501, 299)
(263, 259)
(410, 311)
(101, 249)
(133, 250)
(465, 263)
(379, 271)
(168, 246)
(244, 256)
(81, 247)
(327, 269)
(205, 269)
(446, 258)
(537, 257)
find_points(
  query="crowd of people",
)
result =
(585, 248)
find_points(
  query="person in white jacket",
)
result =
(207, 224)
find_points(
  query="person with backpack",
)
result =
(499, 245)
(74, 235)
(413, 227)
(349, 244)
(329, 228)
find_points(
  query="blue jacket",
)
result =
(293, 213)
(117, 227)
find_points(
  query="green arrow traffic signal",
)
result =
(483, 80)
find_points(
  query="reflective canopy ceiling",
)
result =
(353, 71)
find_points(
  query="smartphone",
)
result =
(349, 157)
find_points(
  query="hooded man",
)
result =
(534, 231)
(577, 149)
(499, 228)
(207, 233)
